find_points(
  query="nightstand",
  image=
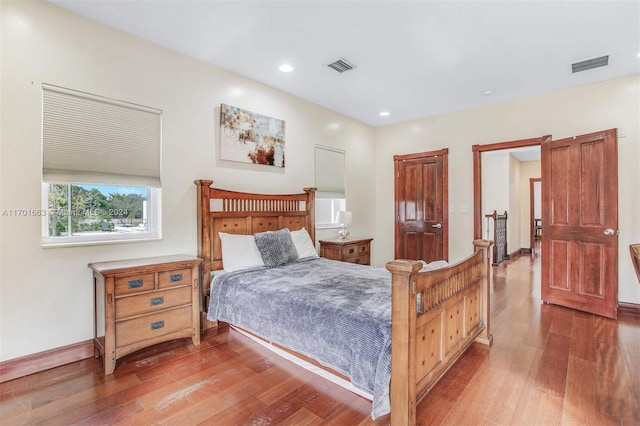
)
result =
(351, 250)
(141, 302)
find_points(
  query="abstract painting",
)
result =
(249, 137)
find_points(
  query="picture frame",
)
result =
(249, 137)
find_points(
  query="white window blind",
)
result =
(92, 139)
(330, 172)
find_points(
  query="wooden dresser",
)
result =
(351, 250)
(141, 302)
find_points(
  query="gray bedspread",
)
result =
(334, 312)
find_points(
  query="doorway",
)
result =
(478, 206)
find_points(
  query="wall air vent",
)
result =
(601, 61)
(341, 65)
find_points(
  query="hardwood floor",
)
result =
(548, 365)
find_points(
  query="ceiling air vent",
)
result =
(602, 61)
(341, 66)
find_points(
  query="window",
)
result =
(91, 210)
(326, 211)
(330, 175)
(100, 169)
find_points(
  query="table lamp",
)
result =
(343, 218)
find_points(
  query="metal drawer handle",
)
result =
(175, 277)
(358, 260)
(156, 301)
(351, 250)
(135, 283)
(156, 325)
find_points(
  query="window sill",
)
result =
(328, 226)
(79, 243)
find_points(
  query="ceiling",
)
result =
(412, 58)
(525, 154)
(522, 154)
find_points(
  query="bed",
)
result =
(433, 316)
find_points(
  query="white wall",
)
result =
(495, 187)
(496, 191)
(499, 180)
(565, 113)
(513, 222)
(46, 294)
(528, 170)
(505, 187)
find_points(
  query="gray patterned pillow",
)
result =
(276, 247)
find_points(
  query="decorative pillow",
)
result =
(276, 247)
(239, 252)
(304, 245)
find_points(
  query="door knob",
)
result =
(609, 232)
(437, 225)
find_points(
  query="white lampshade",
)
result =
(344, 217)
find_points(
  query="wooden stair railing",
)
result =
(500, 252)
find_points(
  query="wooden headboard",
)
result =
(244, 213)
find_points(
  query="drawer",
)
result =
(152, 302)
(174, 278)
(153, 325)
(361, 260)
(134, 284)
(356, 249)
(332, 252)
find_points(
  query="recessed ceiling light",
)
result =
(384, 113)
(638, 54)
(285, 68)
(487, 92)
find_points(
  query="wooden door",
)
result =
(421, 225)
(580, 223)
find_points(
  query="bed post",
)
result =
(204, 234)
(204, 245)
(403, 344)
(485, 337)
(311, 212)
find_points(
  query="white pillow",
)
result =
(303, 243)
(239, 252)
(216, 273)
(431, 266)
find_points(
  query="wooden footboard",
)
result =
(436, 315)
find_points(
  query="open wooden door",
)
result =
(421, 200)
(580, 223)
